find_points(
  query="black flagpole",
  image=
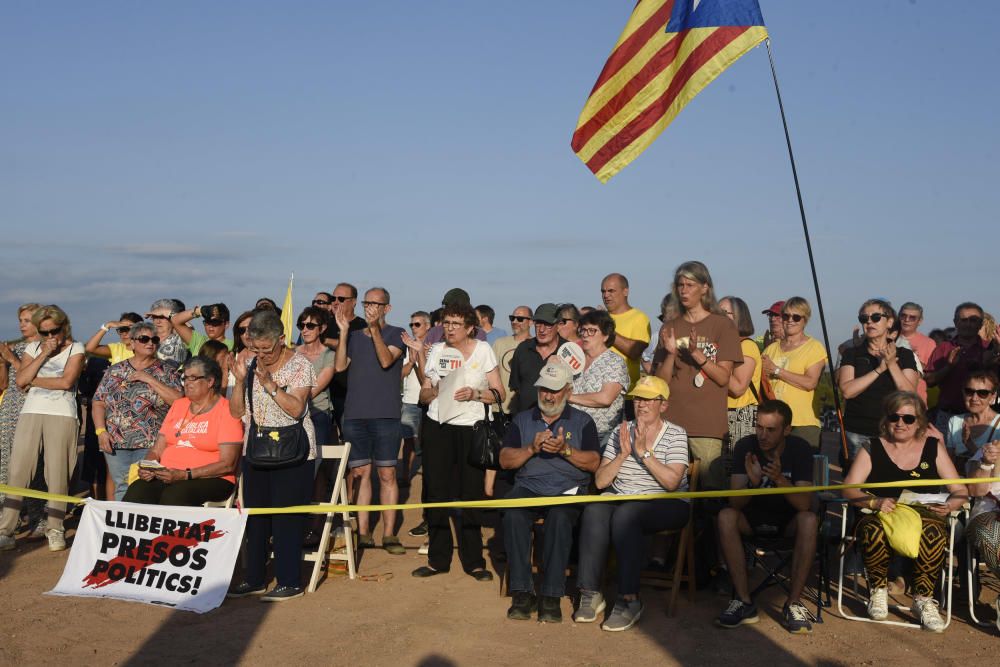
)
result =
(812, 263)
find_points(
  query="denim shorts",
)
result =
(411, 420)
(373, 440)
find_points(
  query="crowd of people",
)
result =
(590, 400)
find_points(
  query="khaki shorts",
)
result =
(711, 473)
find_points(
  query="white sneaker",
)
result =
(57, 540)
(7, 543)
(39, 531)
(424, 549)
(930, 617)
(878, 604)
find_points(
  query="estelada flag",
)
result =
(669, 51)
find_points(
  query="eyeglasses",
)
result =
(771, 316)
(319, 302)
(49, 332)
(307, 325)
(213, 322)
(416, 325)
(972, 319)
(123, 330)
(341, 299)
(517, 318)
(239, 331)
(143, 340)
(588, 331)
(451, 324)
(907, 419)
(567, 320)
(192, 378)
(373, 303)
(643, 399)
(266, 352)
(792, 317)
(981, 393)
(908, 318)
(874, 317)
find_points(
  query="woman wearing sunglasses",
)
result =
(49, 372)
(977, 431)
(980, 425)
(793, 366)
(116, 352)
(197, 446)
(240, 337)
(130, 404)
(871, 371)
(902, 452)
(312, 327)
(172, 347)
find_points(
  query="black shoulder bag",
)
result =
(273, 447)
(487, 438)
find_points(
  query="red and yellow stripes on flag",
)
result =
(650, 76)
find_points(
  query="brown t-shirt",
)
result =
(701, 410)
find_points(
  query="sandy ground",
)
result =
(446, 620)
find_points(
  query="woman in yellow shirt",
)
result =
(794, 366)
(744, 384)
(116, 352)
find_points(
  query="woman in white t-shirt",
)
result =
(49, 372)
(466, 369)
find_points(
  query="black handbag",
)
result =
(273, 447)
(487, 438)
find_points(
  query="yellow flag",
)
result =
(287, 316)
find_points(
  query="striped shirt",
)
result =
(633, 478)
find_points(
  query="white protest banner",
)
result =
(180, 557)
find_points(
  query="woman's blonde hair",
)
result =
(57, 315)
(799, 305)
(697, 272)
(897, 400)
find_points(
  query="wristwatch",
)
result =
(986, 466)
(273, 394)
(646, 455)
(567, 452)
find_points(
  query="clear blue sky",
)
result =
(205, 150)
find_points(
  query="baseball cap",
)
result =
(547, 312)
(456, 296)
(555, 375)
(775, 308)
(650, 386)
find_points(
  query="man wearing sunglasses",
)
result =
(503, 348)
(215, 318)
(373, 361)
(530, 357)
(952, 360)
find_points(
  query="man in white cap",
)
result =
(554, 449)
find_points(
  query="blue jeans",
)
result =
(623, 524)
(373, 439)
(118, 464)
(517, 528)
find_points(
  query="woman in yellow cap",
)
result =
(646, 455)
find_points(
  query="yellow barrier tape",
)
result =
(547, 500)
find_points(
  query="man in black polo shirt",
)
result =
(554, 449)
(771, 458)
(531, 355)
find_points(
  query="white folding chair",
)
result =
(321, 556)
(945, 581)
(229, 502)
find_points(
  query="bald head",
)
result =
(614, 293)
